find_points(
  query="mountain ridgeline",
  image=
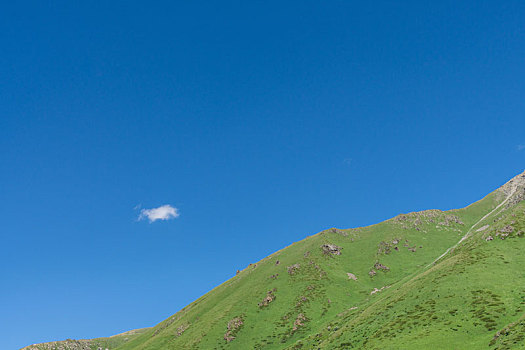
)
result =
(431, 279)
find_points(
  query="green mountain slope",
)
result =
(446, 280)
(89, 344)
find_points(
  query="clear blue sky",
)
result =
(261, 123)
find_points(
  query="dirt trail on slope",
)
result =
(472, 227)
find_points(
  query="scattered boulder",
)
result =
(277, 262)
(384, 248)
(63, 345)
(418, 220)
(351, 276)
(401, 218)
(338, 231)
(270, 296)
(489, 238)
(505, 231)
(293, 269)
(372, 273)
(301, 301)
(331, 249)
(381, 267)
(450, 219)
(299, 321)
(181, 329)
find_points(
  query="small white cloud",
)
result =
(521, 147)
(164, 212)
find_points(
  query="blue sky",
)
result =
(260, 122)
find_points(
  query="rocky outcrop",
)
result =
(515, 188)
(516, 182)
(270, 296)
(338, 231)
(293, 269)
(68, 344)
(234, 325)
(505, 231)
(381, 267)
(181, 329)
(449, 219)
(89, 344)
(351, 276)
(299, 322)
(331, 249)
(418, 220)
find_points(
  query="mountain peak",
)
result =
(514, 189)
(515, 183)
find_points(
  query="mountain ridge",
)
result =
(357, 280)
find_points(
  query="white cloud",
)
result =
(164, 212)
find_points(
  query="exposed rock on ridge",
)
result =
(515, 188)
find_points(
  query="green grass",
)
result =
(472, 298)
(91, 344)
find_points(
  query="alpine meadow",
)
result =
(430, 279)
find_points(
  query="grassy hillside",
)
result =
(378, 287)
(89, 344)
